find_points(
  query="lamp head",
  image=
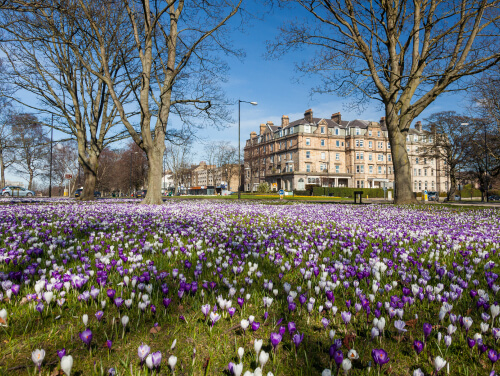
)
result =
(253, 103)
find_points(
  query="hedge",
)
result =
(348, 192)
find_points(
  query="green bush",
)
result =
(348, 192)
(263, 188)
(301, 193)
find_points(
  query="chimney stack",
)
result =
(285, 121)
(337, 117)
(418, 126)
(253, 135)
(382, 122)
(270, 123)
(262, 129)
(308, 116)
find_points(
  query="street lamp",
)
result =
(239, 143)
(51, 140)
(130, 176)
(486, 163)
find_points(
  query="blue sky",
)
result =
(273, 84)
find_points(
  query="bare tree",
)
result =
(223, 159)
(64, 162)
(178, 160)
(175, 44)
(31, 147)
(79, 101)
(402, 53)
(450, 134)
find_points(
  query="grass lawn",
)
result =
(316, 281)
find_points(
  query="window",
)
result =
(337, 131)
(290, 144)
(425, 172)
(380, 145)
(379, 169)
(389, 169)
(272, 158)
(360, 184)
(370, 157)
(308, 167)
(271, 147)
(357, 143)
(359, 156)
(370, 144)
(378, 133)
(323, 130)
(415, 186)
(416, 160)
(323, 155)
(416, 150)
(281, 133)
(361, 143)
(290, 167)
(430, 139)
(307, 129)
(407, 138)
(322, 142)
(337, 143)
(264, 148)
(381, 157)
(388, 145)
(290, 156)
(301, 184)
(370, 169)
(419, 172)
(360, 169)
(419, 185)
(279, 158)
(337, 169)
(308, 154)
(408, 149)
(414, 172)
(337, 156)
(357, 131)
(425, 185)
(432, 185)
(389, 157)
(308, 141)
(424, 139)
(369, 133)
(425, 160)
(415, 138)
(322, 167)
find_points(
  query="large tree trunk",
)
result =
(90, 177)
(402, 170)
(453, 186)
(2, 171)
(30, 183)
(155, 172)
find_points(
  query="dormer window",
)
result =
(307, 129)
(358, 131)
(336, 132)
(323, 130)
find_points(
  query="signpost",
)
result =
(67, 177)
(281, 192)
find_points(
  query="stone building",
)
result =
(332, 152)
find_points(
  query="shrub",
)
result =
(263, 188)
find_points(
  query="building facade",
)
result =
(205, 175)
(332, 152)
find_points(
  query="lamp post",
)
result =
(50, 170)
(486, 163)
(239, 143)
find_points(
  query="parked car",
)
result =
(79, 191)
(432, 196)
(141, 193)
(494, 198)
(16, 191)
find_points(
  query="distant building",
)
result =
(331, 152)
(203, 175)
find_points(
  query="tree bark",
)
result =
(2, 170)
(90, 177)
(155, 161)
(453, 186)
(402, 170)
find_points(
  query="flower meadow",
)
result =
(226, 288)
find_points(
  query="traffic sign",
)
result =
(68, 176)
(281, 192)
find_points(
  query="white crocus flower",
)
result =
(67, 364)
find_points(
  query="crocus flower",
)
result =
(427, 330)
(143, 351)
(418, 346)
(156, 359)
(493, 356)
(380, 356)
(439, 363)
(61, 353)
(338, 357)
(67, 364)
(86, 336)
(205, 309)
(172, 361)
(109, 343)
(297, 339)
(346, 317)
(346, 365)
(275, 339)
(99, 315)
(37, 356)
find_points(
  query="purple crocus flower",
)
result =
(99, 315)
(156, 359)
(275, 339)
(380, 356)
(166, 302)
(297, 339)
(61, 353)
(346, 317)
(111, 293)
(118, 301)
(325, 322)
(205, 309)
(427, 330)
(338, 357)
(292, 306)
(471, 342)
(255, 326)
(291, 327)
(109, 343)
(39, 307)
(418, 346)
(493, 356)
(86, 336)
(241, 301)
